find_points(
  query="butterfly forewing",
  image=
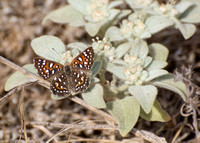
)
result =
(79, 81)
(84, 60)
(46, 68)
(59, 85)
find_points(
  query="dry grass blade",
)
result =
(151, 137)
(23, 123)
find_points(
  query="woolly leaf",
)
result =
(116, 70)
(96, 67)
(126, 112)
(145, 95)
(187, 30)
(158, 23)
(156, 113)
(49, 47)
(192, 13)
(18, 78)
(139, 48)
(94, 96)
(78, 45)
(155, 64)
(123, 49)
(155, 73)
(114, 34)
(158, 52)
(64, 15)
(167, 82)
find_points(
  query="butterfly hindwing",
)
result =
(46, 68)
(84, 60)
(79, 81)
(59, 85)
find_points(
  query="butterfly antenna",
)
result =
(58, 53)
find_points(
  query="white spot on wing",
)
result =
(51, 65)
(80, 59)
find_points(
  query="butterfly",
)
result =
(69, 77)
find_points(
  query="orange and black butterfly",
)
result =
(69, 77)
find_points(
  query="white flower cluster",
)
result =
(134, 27)
(104, 47)
(134, 72)
(68, 56)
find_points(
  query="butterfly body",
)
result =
(73, 77)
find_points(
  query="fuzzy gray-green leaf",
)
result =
(119, 62)
(96, 67)
(116, 70)
(124, 13)
(114, 34)
(65, 15)
(167, 82)
(158, 52)
(192, 14)
(182, 6)
(155, 73)
(156, 114)
(126, 112)
(115, 3)
(94, 96)
(113, 14)
(139, 48)
(78, 45)
(57, 97)
(123, 49)
(19, 78)
(157, 23)
(93, 28)
(49, 47)
(147, 61)
(187, 30)
(80, 6)
(155, 64)
(145, 95)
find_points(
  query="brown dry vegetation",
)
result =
(20, 22)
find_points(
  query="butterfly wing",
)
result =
(59, 85)
(84, 60)
(46, 68)
(79, 81)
